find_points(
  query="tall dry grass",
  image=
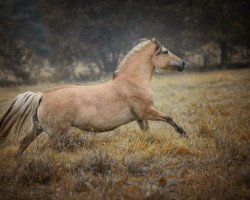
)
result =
(126, 163)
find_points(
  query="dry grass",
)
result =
(126, 163)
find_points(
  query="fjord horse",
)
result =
(127, 97)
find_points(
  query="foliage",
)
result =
(37, 170)
(61, 34)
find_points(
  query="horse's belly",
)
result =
(101, 127)
(101, 121)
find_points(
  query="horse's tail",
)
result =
(23, 107)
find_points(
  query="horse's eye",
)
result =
(165, 52)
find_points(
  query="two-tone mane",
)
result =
(143, 42)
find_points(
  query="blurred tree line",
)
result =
(53, 36)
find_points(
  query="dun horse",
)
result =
(127, 97)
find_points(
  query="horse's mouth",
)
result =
(180, 69)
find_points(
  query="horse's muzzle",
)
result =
(181, 67)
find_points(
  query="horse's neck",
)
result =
(139, 69)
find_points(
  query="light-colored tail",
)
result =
(23, 107)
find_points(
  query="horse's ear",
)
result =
(154, 40)
(158, 46)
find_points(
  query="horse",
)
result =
(127, 97)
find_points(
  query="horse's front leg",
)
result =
(153, 114)
(143, 124)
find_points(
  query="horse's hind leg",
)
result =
(143, 124)
(33, 133)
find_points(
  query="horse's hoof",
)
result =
(184, 136)
(182, 132)
(17, 155)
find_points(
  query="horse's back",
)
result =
(59, 88)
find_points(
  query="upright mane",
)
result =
(143, 42)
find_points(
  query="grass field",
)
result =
(213, 108)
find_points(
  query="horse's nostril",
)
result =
(183, 63)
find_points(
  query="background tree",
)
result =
(226, 23)
(98, 33)
(21, 38)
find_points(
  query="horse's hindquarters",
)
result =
(56, 111)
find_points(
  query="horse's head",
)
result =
(164, 59)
